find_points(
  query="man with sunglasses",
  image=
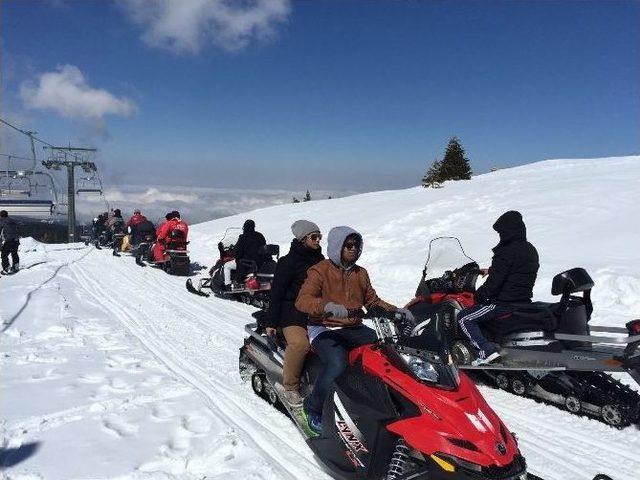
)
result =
(333, 288)
(290, 274)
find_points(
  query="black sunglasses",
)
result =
(352, 245)
(315, 236)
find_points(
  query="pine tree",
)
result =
(307, 197)
(455, 166)
(432, 177)
(295, 200)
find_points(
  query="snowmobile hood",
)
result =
(335, 241)
(510, 227)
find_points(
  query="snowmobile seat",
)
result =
(527, 317)
(267, 268)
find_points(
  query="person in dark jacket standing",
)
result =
(10, 242)
(247, 248)
(290, 274)
(512, 274)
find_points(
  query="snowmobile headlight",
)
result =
(422, 369)
(455, 462)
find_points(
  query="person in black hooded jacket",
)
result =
(512, 274)
(290, 274)
(248, 248)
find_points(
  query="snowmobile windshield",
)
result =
(230, 237)
(448, 268)
(445, 254)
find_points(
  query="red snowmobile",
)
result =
(401, 410)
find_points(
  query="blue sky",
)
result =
(336, 95)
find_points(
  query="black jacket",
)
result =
(514, 266)
(141, 231)
(291, 272)
(249, 243)
(8, 229)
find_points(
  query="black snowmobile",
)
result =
(401, 410)
(141, 251)
(254, 290)
(549, 350)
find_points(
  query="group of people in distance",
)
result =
(139, 230)
(311, 297)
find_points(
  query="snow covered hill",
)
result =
(110, 370)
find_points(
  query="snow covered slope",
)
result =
(110, 370)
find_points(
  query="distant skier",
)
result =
(247, 248)
(290, 274)
(512, 275)
(10, 241)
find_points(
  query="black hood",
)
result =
(249, 226)
(299, 248)
(510, 227)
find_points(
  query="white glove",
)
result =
(336, 310)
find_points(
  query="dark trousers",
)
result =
(469, 320)
(333, 347)
(10, 247)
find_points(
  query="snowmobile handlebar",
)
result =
(355, 317)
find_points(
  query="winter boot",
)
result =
(314, 421)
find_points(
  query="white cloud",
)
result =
(67, 92)
(196, 204)
(184, 26)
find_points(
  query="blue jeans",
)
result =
(469, 318)
(333, 348)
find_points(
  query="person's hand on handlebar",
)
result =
(336, 310)
(405, 314)
(270, 331)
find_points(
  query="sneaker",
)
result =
(293, 398)
(314, 421)
(491, 358)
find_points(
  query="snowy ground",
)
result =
(110, 370)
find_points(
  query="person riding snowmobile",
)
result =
(512, 275)
(290, 274)
(98, 229)
(247, 248)
(135, 219)
(115, 226)
(167, 234)
(332, 288)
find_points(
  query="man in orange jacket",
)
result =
(332, 288)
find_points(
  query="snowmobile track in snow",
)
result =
(280, 452)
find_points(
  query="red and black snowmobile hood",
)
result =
(457, 423)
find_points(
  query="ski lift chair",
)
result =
(36, 208)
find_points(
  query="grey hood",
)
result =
(335, 241)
